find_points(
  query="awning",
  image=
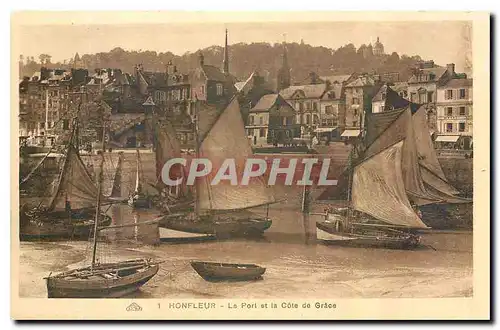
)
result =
(324, 129)
(351, 133)
(447, 138)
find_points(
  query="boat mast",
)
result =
(99, 187)
(196, 152)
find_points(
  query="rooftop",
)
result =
(456, 83)
(310, 91)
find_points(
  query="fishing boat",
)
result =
(69, 212)
(171, 198)
(218, 271)
(223, 209)
(101, 280)
(396, 172)
(140, 198)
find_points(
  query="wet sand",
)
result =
(294, 270)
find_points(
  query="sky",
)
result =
(441, 41)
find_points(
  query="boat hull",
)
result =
(99, 288)
(59, 229)
(219, 228)
(373, 239)
(212, 271)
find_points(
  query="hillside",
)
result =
(244, 58)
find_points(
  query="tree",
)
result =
(44, 59)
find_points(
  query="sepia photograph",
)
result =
(237, 167)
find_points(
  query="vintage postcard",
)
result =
(313, 165)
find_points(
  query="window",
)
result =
(202, 90)
(308, 106)
(355, 123)
(315, 120)
(355, 112)
(449, 127)
(449, 94)
(413, 97)
(219, 89)
(250, 132)
(315, 106)
(462, 111)
(42, 125)
(262, 132)
(301, 106)
(430, 96)
(462, 93)
(297, 106)
(382, 108)
(461, 127)
(331, 95)
(261, 121)
(250, 120)
(308, 120)
(329, 109)
(355, 100)
(449, 111)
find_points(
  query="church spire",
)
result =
(284, 79)
(225, 62)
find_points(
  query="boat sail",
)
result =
(386, 186)
(140, 197)
(101, 280)
(168, 147)
(116, 190)
(221, 209)
(68, 213)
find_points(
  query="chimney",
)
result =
(451, 69)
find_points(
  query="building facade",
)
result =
(358, 101)
(272, 121)
(306, 101)
(454, 114)
(423, 85)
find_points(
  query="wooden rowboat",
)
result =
(111, 280)
(218, 271)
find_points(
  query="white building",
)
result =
(454, 114)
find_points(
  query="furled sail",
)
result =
(116, 190)
(378, 189)
(75, 184)
(227, 140)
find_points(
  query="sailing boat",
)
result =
(106, 280)
(222, 209)
(68, 214)
(140, 197)
(172, 198)
(388, 182)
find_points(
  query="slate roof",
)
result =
(433, 74)
(336, 79)
(362, 81)
(457, 83)
(213, 73)
(265, 103)
(310, 91)
(392, 99)
(336, 90)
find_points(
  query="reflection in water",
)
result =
(126, 215)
